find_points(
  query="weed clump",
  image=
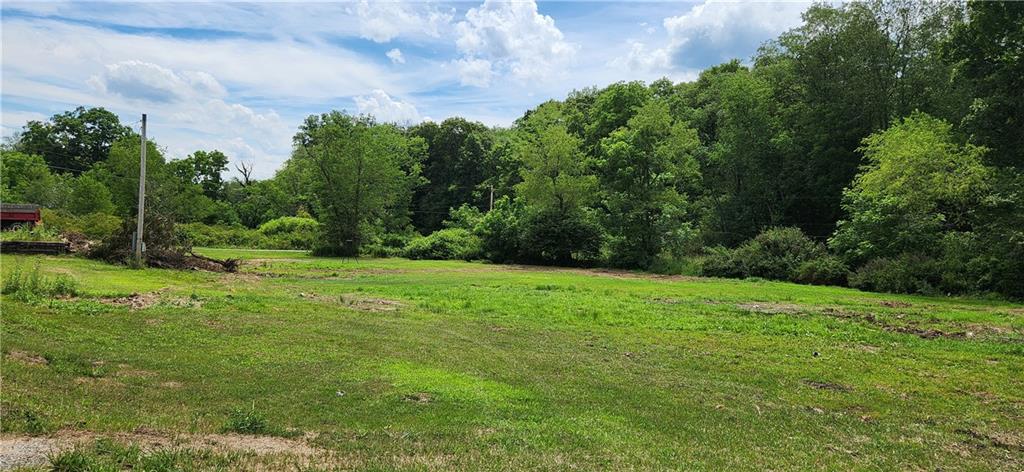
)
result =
(30, 285)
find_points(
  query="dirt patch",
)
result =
(370, 304)
(772, 308)
(171, 384)
(909, 327)
(826, 386)
(1002, 440)
(27, 358)
(419, 397)
(135, 301)
(32, 451)
(895, 304)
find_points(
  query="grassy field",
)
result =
(395, 364)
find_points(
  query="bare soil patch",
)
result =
(419, 397)
(772, 308)
(32, 451)
(357, 302)
(27, 358)
(819, 385)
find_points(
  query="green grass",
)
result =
(396, 364)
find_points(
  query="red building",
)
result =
(18, 214)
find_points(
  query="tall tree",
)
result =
(357, 171)
(456, 165)
(74, 140)
(646, 170)
(988, 52)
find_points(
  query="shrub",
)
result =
(553, 237)
(387, 245)
(908, 273)
(95, 226)
(289, 224)
(777, 253)
(825, 270)
(450, 243)
(499, 231)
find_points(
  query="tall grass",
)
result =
(30, 233)
(30, 284)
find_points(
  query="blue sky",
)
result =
(240, 77)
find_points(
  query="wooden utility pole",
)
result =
(492, 199)
(142, 194)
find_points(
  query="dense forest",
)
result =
(879, 144)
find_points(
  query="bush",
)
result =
(95, 226)
(776, 254)
(908, 273)
(721, 262)
(553, 237)
(274, 234)
(289, 224)
(387, 245)
(825, 270)
(499, 231)
(450, 243)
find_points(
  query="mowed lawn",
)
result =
(395, 364)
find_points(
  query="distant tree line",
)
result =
(879, 144)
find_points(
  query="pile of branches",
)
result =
(165, 248)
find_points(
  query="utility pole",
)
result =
(142, 194)
(492, 199)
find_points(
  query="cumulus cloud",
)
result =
(642, 58)
(510, 36)
(382, 21)
(396, 56)
(713, 32)
(474, 72)
(386, 109)
(151, 82)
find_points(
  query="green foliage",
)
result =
(550, 236)
(89, 195)
(458, 161)
(499, 231)
(25, 178)
(74, 140)
(30, 233)
(777, 254)
(286, 234)
(917, 184)
(247, 421)
(32, 285)
(94, 226)
(360, 174)
(444, 244)
(824, 270)
(289, 224)
(648, 167)
(906, 273)
(988, 51)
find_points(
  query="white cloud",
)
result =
(474, 72)
(512, 36)
(386, 109)
(152, 82)
(716, 30)
(396, 56)
(640, 58)
(382, 21)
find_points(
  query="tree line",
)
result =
(878, 144)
